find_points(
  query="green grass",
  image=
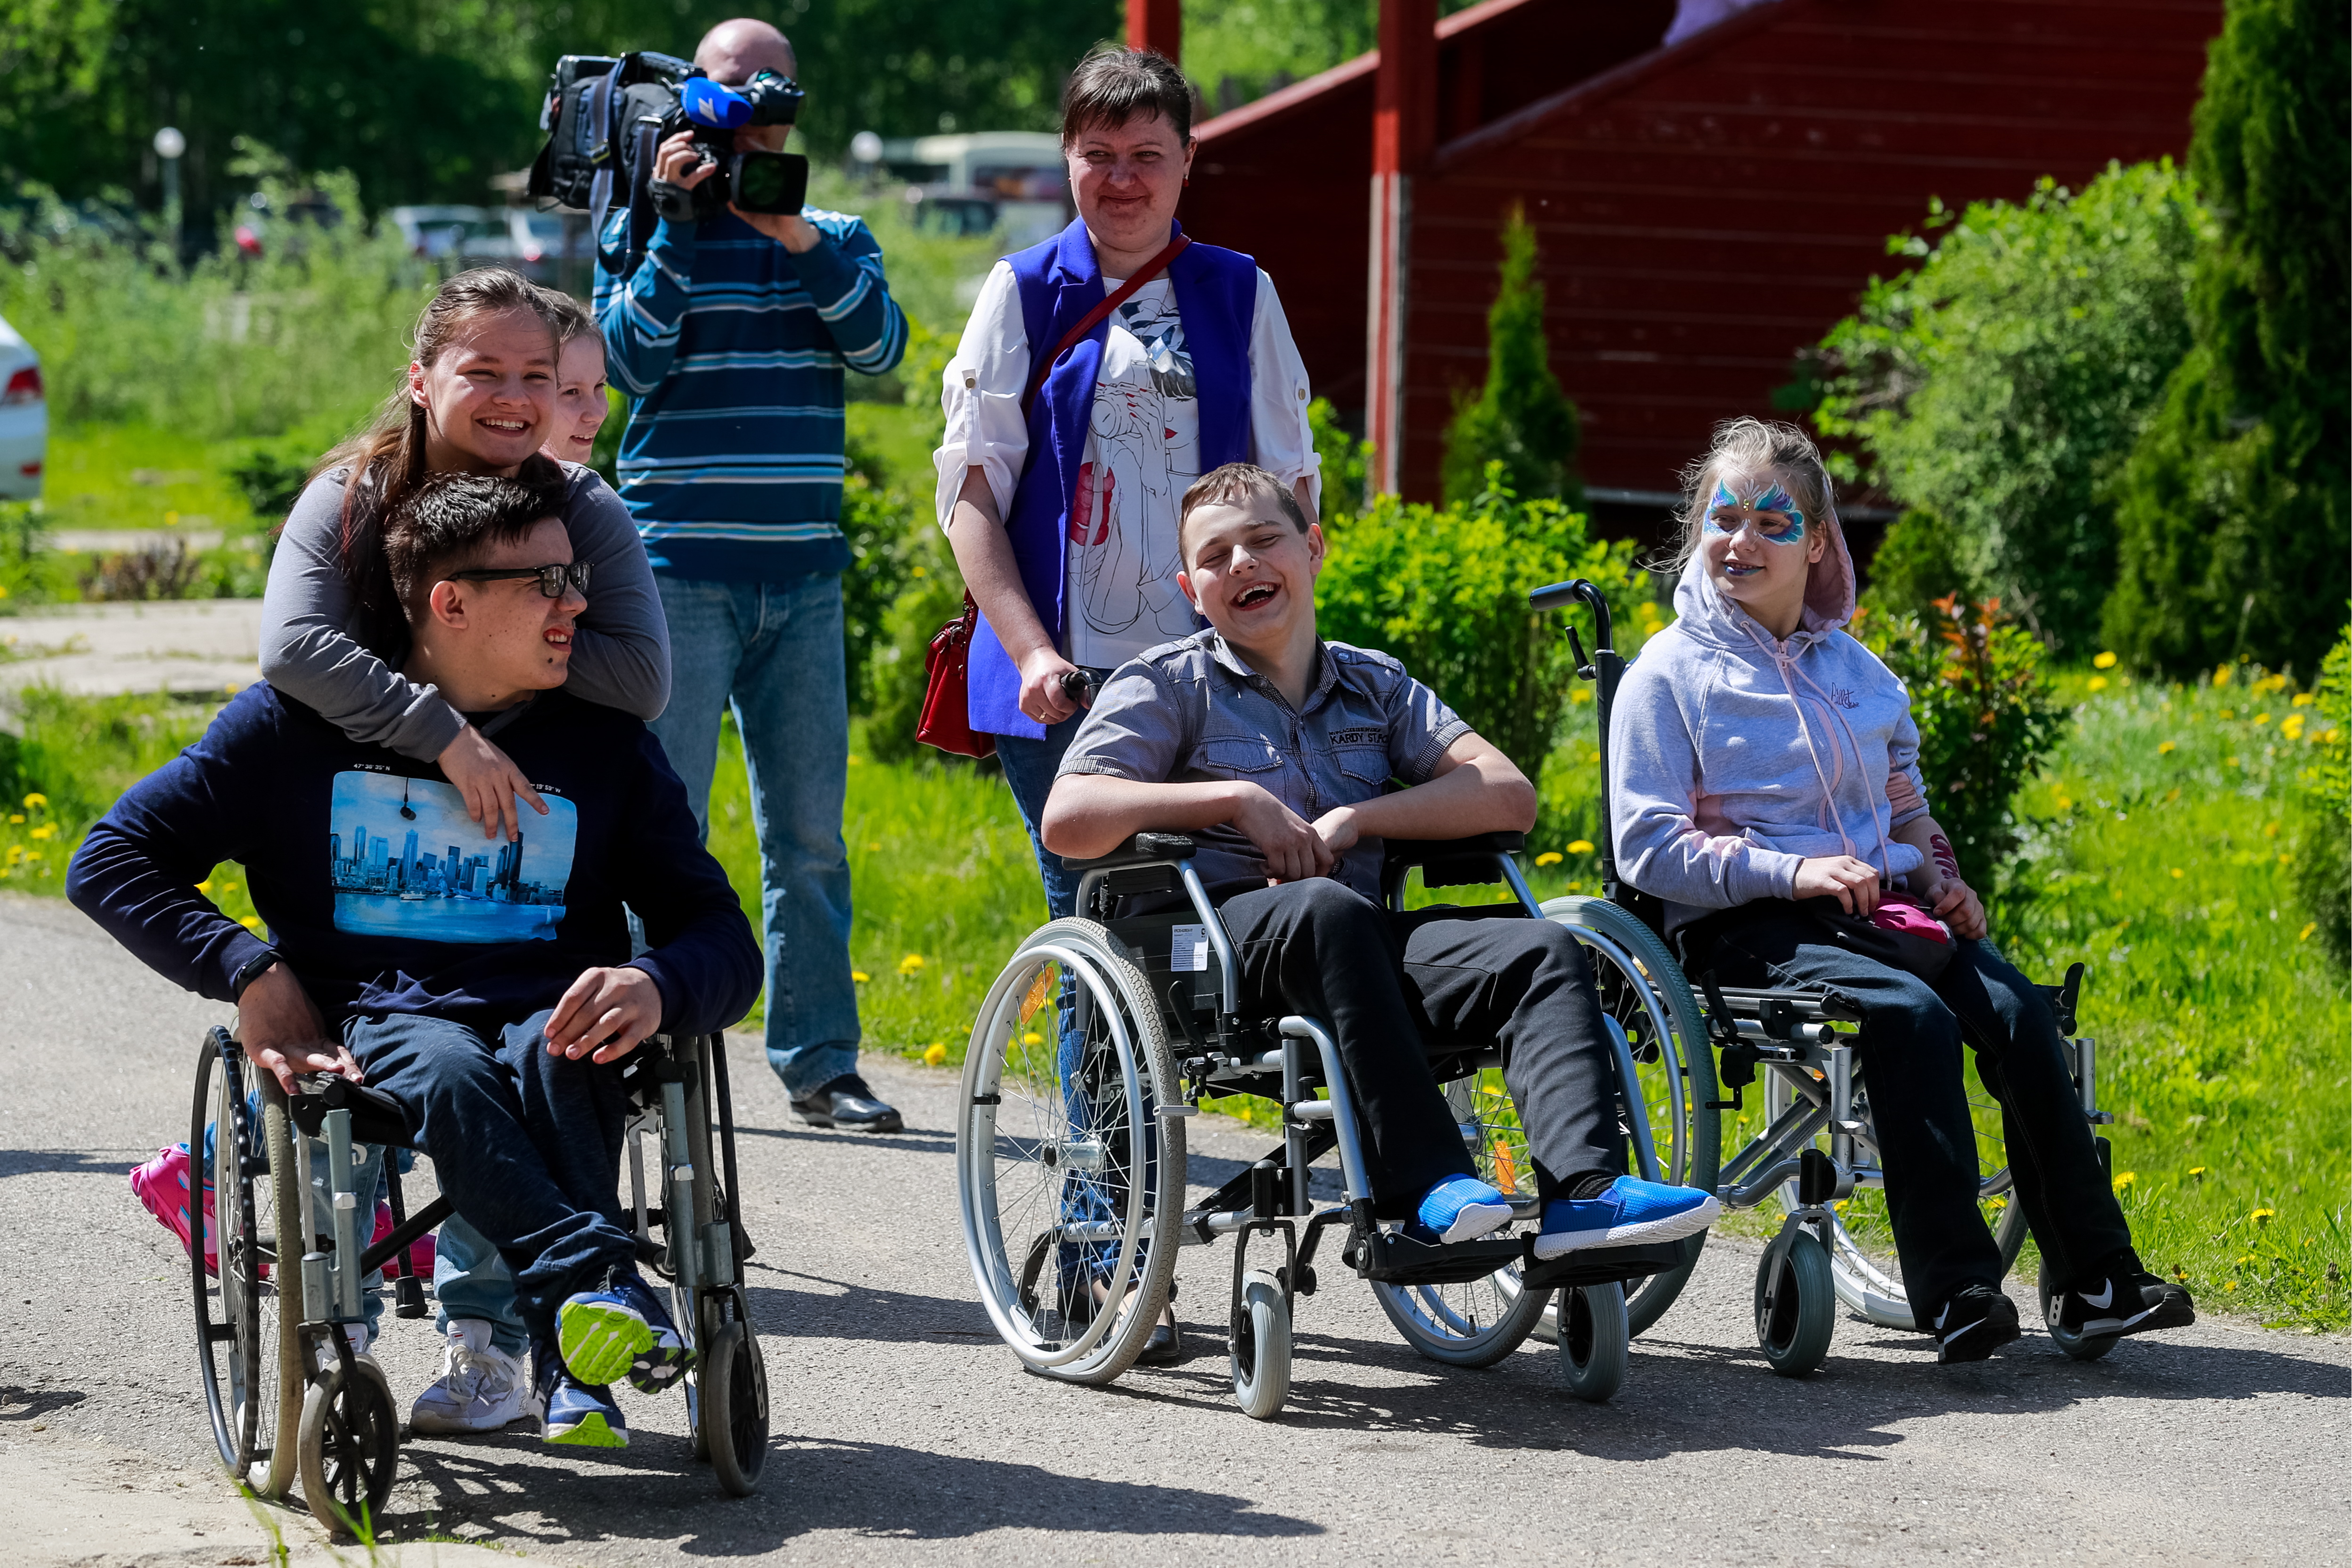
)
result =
(2223, 1027)
(120, 476)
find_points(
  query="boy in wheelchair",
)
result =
(489, 990)
(1768, 789)
(1272, 748)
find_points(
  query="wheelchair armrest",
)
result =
(376, 1116)
(1144, 849)
(1450, 863)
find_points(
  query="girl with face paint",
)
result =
(1765, 786)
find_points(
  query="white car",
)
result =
(23, 419)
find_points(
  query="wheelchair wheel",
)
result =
(349, 1446)
(1859, 1238)
(1260, 1356)
(1795, 1302)
(1646, 999)
(1480, 1322)
(1065, 1165)
(248, 1351)
(2078, 1347)
(734, 1408)
(1594, 1330)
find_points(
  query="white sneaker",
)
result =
(481, 1387)
(323, 1351)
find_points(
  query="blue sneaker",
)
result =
(1459, 1208)
(582, 1415)
(621, 1329)
(1630, 1213)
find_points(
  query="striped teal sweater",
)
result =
(733, 351)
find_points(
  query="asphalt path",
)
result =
(905, 1432)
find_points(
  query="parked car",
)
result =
(23, 418)
(1013, 182)
(455, 233)
(536, 242)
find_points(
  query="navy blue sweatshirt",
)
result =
(383, 897)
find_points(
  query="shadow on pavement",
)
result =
(654, 1491)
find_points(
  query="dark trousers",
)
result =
(1391, 988)
(526, 1144)
(1910, 1056)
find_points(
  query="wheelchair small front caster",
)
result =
(733, 1407)
(1796, 1302)
(1261, 1347)
(348, 1449)
(1594, 1332)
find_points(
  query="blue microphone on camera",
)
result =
(708, 103)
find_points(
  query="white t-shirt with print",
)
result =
(1142, 450)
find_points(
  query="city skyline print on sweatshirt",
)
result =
(406, 860)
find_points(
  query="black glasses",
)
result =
(552, 578)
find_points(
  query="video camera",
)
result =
(605, 116)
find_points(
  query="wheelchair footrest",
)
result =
(1399, 1260)
(1601, 1265)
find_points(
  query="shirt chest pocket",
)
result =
(1239, 756)
(1364, 764)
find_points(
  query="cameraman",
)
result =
(732, 336)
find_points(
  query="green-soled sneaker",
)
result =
(578, 1415)
(621, 1331)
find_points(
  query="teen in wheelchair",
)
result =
(481, 1004)
(1765, 790)
(1256, 956)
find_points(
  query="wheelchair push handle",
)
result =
(1559, 596)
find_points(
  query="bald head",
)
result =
(734, 52)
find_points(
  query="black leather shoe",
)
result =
(847, 1102)
(1164, 1348)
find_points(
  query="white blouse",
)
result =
(1142, 450)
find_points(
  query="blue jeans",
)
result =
(772, 651)
(527, 1145)
(1029, 766)
(471, 1280)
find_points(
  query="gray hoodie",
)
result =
(1733, 757)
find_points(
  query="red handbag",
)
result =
(946, 724)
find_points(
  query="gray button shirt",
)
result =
(1193, 711)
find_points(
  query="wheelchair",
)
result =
(1071, 1161)
(1817, 1146)
(286, 1396)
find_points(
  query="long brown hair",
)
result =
(384, 462)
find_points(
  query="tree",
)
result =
(1997, 385)
(2234, 509)
(1521, 419)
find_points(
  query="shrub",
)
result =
(1521, 419)
(1446, 590)
(1999, 383)
(894, 679)
(312, 331)
(1346, 462)
(1987, 716)
(2234, 505)
(1915, 564)
(2321, 795)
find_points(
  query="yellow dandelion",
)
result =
(2166, 748)
(2230, 1285)
(2065, 802)
(2230, 762)
(2242, 1261)
(2305, 699)
(1033, 1038)
(2329, 737)
(1550, 857)
(2285, 858)
(910, 962)
(2098, 683)
(16, 854)
(1995, 1204)
(15, 817)
(873, 848)
(47, 830)
(2305, 935)
(36, 802)
(2124, 1179)
(855, 760)
(2102, 662)
(2262, 719)
(934, 1054)
(2221, 675)
(2229, 713)
(859, 976)
(2177, 872)
(2264, 1216)
(2269, 829)
(32, 855)
(1581, 846)
(2196, 1170)
(2291, 726)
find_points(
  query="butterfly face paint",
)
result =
(1773, 514)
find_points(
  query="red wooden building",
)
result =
(1705, 209)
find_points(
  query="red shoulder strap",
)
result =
(1092, 319)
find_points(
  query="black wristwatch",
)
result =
(253, 969)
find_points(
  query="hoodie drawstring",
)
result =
(1789, 674)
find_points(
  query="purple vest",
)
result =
(1216, 294)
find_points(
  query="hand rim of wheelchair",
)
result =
(1137, 1286)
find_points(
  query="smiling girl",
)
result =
(481, 394)
(1766, 786)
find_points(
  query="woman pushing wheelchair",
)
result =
(1766, 788)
